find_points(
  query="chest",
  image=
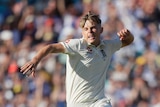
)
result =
(93, 56)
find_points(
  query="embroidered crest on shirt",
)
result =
(89, 50)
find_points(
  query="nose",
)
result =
(90, 30)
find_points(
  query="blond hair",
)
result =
(90, 16)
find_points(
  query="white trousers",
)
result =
(99, 103)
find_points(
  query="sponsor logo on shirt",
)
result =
(67, 41)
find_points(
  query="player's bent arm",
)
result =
(51, 48)
(31, 65)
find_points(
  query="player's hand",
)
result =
(126, 37)
(28, 69)
(124, 34)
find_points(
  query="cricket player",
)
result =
(88, 59)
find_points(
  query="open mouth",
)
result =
(91, 37)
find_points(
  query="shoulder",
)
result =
(73, 41)
(73, 44)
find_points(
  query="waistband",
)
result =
(78, 105)
(105, 102)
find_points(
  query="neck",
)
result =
(94, 44)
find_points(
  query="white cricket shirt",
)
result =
(86, 69)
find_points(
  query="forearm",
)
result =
(51, 48)
(30, 66)
(42, 53)
(128, 40)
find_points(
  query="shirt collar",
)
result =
(100, 45)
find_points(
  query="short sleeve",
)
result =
(113, 45)
(116, 44)
(71, 46)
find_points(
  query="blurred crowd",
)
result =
(133, 79)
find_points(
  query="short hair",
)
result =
(90, 16)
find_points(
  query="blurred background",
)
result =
(133, 79)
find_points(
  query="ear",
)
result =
(101, 30)
(82, 33)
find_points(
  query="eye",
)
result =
(85, 29)
(94, 29)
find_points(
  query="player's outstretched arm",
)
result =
(30, 67)
(126, 37)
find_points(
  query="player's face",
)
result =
(91, 32)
